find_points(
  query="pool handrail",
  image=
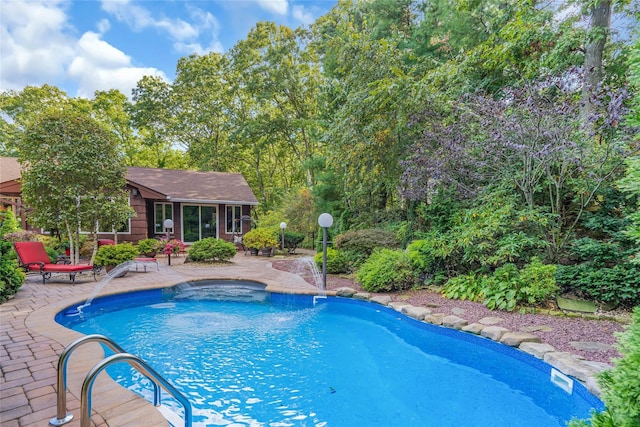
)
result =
(142, 367)
(64, 417)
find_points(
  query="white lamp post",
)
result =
(168, 224)
(325, 221)
(283, 225)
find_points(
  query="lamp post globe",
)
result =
(168, 224)
(325, 221)
(283, 225)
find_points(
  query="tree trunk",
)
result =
(597, 37)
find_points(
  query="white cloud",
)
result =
(34, 45)
(103, 26)
(100, 66)
(139, 18)
(301, 14)
(279, 7)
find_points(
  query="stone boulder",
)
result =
(536, 349)
(345, 292)
(514, 339)
(435, 319)
(381, 299)
(454, 322)
(416, 312)
(493, 332)
(474, 328)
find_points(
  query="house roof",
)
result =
(9, 175)
(162, 184)
(193, 186)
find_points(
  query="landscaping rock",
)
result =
(346, 292)
(572, 365)
(490, 320)
(435, 319)
(536, 349)
(537, 328)
(514, 339)
(381, 299)
(415, 312)
(474, 328)
(493, 332)
(362, 296)
(454, 322)
(458, 311)
(397, 305)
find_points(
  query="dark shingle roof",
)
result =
(187, 186)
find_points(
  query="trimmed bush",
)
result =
(386, 270)
(337, 263)
(292, 240)
(149, 246)
(211, 249)
(259, 238)
(11, 276)
(116, 254)
(8, 223)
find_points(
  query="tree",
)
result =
(73, 177)
(19, 109)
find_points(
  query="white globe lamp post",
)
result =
(325, 221)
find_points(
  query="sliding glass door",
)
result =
(199, 222)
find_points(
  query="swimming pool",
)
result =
(243, 356)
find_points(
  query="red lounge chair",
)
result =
(33, 257)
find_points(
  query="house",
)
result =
(199, 204)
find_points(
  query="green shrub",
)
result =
(259, 238)
(212, 249)
(8, 223)
(292, 240)
(621, 384)
(537, 282)
(337, 262)
(149, 246)
(11, 276)
(464, 287)
(116, 254)
(507, 287)
(386, 270)
(366, 241)
(619, 284)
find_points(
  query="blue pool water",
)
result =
(262, 359)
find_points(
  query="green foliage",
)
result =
(8, 223)
(337, 262)
(149, 246)
(11, 276)
(292, 240)
(212, 249)
(386, 270)
(358, 245)
(619, 284)
(621, 384)
(261, 237)
(464, 287)
(87, 184)
(507, 287)
(116, 254)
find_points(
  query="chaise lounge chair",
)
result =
(33, 257)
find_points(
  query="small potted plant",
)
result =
(262, 239)
(149, 247)
(110, 256)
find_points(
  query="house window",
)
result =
(234, 224)
(162, 212)
(123, 229)
(199, 222)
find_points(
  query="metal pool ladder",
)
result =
(63, 417)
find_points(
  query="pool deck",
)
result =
(31, 341)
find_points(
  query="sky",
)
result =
(88, 45)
